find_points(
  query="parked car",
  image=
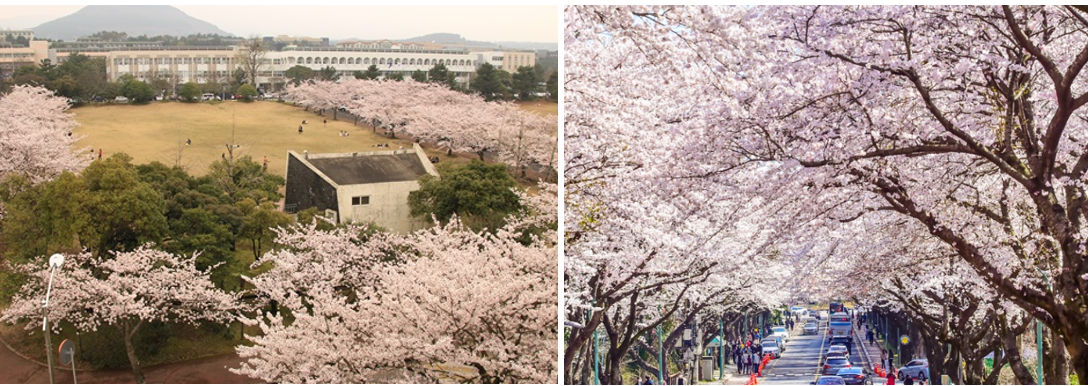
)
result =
(916, 368)
(855, 376)
(770, 347)
(781, 331)
(810, 329)
(833, 365)
(778, 341)
(121, 99)
(829, 380)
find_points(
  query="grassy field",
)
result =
(158, 132)
(541, 108)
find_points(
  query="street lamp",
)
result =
(55, 261)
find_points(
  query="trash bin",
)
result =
(707, 364)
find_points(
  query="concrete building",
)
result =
(215, 64)
(358, 187)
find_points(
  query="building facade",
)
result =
(362, 187)
(216, 64)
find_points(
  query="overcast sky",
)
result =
(483, 23)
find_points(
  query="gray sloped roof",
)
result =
(370, 169)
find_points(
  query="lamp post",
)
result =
(55, 262)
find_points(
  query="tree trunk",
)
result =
(1055, 359)
(1012, 344)
(1077, 350)
(128, 331)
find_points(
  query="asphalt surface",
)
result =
(800, 361)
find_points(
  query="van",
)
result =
(208, 96)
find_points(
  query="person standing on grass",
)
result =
(301, 129)
(100, 154)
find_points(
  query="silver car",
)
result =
(770, 347)
(917, 368)
(810, 329)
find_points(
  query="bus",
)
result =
(835, 307)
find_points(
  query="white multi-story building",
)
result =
(216, 64)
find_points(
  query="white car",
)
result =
(770, 347)
(810, 329)
(781, 331)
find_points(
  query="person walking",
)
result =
(756, 362)
(100, 154)
(301, 129)
(749, 363)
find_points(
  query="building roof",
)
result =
(349, 169)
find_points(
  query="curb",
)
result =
(28, 359)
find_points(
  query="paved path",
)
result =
(16, 369)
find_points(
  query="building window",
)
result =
(361, 200)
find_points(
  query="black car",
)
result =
(841, 340)
(855, 376)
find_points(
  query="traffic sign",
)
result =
(904, 339)
(67, 352)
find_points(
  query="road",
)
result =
(800, 361)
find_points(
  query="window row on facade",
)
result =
(382, 61)
(171, 60)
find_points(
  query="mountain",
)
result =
(134, 20)
(450, 38)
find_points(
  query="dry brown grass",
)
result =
(541, 107)
(158, 132)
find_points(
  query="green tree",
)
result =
(438, 73)
(525, 83)
(328, 73)
(420, 76)
(479, 193)
(395, 76)
(552, 86)
(243, 178)
(123, 211)
(137, 91)
(190, 92)
(372, 73)
(248, 92)
(488, 83)
(44, 218)
(298, 74)
(258, 222)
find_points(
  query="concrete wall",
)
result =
(388, 207)
(306, 188)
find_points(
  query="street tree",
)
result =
(880, 108)
(127, 290)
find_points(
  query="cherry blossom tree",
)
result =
(444, 303)
(36, 139)
(969, 122)
(126, 290)
(436, 114)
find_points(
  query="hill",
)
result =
(452, 38)
(134, 20)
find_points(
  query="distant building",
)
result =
(358, 187)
